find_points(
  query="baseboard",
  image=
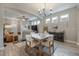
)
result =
(1, 48)
(70, 41)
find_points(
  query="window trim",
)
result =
(54, 19)
(64, 16)
(48, 20)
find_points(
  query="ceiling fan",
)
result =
(23, 18)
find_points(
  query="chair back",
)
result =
(28, 37)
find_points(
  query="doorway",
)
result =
(9, 35)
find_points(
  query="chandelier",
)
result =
(45, 11)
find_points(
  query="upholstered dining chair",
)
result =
(49, 43)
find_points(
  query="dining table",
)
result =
(39, 37)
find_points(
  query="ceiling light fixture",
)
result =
(44, 11)
(23, 18)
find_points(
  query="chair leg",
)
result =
(30, 48)
(50, 51)
(49, 48)
(53, 46)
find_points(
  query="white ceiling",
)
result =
(29, 10)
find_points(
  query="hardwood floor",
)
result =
(61, 49)
(66, 49)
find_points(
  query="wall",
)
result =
(1, 35)
(77, 23)
(70, 30)
(40, 26)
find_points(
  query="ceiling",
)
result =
(13, 11)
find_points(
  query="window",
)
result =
(35, 23)
(38, 22)
(64, 18)
(55, 19)
(32, 23)
(47, 20)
